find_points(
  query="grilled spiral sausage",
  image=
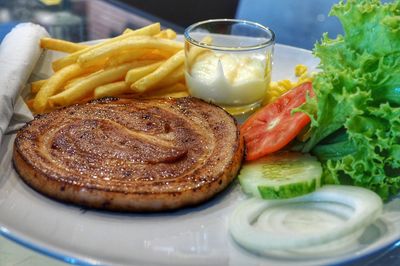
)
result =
(130, 155)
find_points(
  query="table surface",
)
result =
(12, 254)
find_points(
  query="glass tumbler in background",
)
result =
(229, 62)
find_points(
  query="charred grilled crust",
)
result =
(200, 185)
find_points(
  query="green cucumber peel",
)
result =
(281, 176)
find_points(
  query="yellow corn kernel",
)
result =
(285, 83)
(277, 88)
(300, 70)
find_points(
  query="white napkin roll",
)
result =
(19, 52)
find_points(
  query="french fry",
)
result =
(127, 30)
(72, 58)
(171, 34)
(36, 85)
(166, 34)
(55, 83)
(149, 81)
(178, 75)
(76, 80)
(61, 45)
(140, 42)
(112, 89)
(155, 54)
(137, 73)
(127, 56)
(143, 63)
(87, 85)
(175, 90)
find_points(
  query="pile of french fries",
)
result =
(147, 62)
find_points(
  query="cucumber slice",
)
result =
(281, 176)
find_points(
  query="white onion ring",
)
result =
(364, 205)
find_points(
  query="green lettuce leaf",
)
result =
(358, 88)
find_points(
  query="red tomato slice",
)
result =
(273, 127)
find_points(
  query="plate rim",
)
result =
(39, 246)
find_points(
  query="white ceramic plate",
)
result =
(192, 236)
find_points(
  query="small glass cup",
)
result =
(229, 62)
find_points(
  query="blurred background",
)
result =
(296, 23)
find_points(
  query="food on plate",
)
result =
(135, 74)
(55, 83)
(322, 223)
(281, 175)
(228, 79)
(150, 30)
(61, 45)
(115, 88)
(131, 155)
(176, 90)
(133, 44)
(87, 85)
(350, 121)
(146, 59)
(36, 85)
(166, 34)
(149, 81)
(275, 125)
(353, 113)
(229, 62)
(277, 88)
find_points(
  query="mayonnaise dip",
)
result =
(229, 79)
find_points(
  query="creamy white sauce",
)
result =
(228, 79)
